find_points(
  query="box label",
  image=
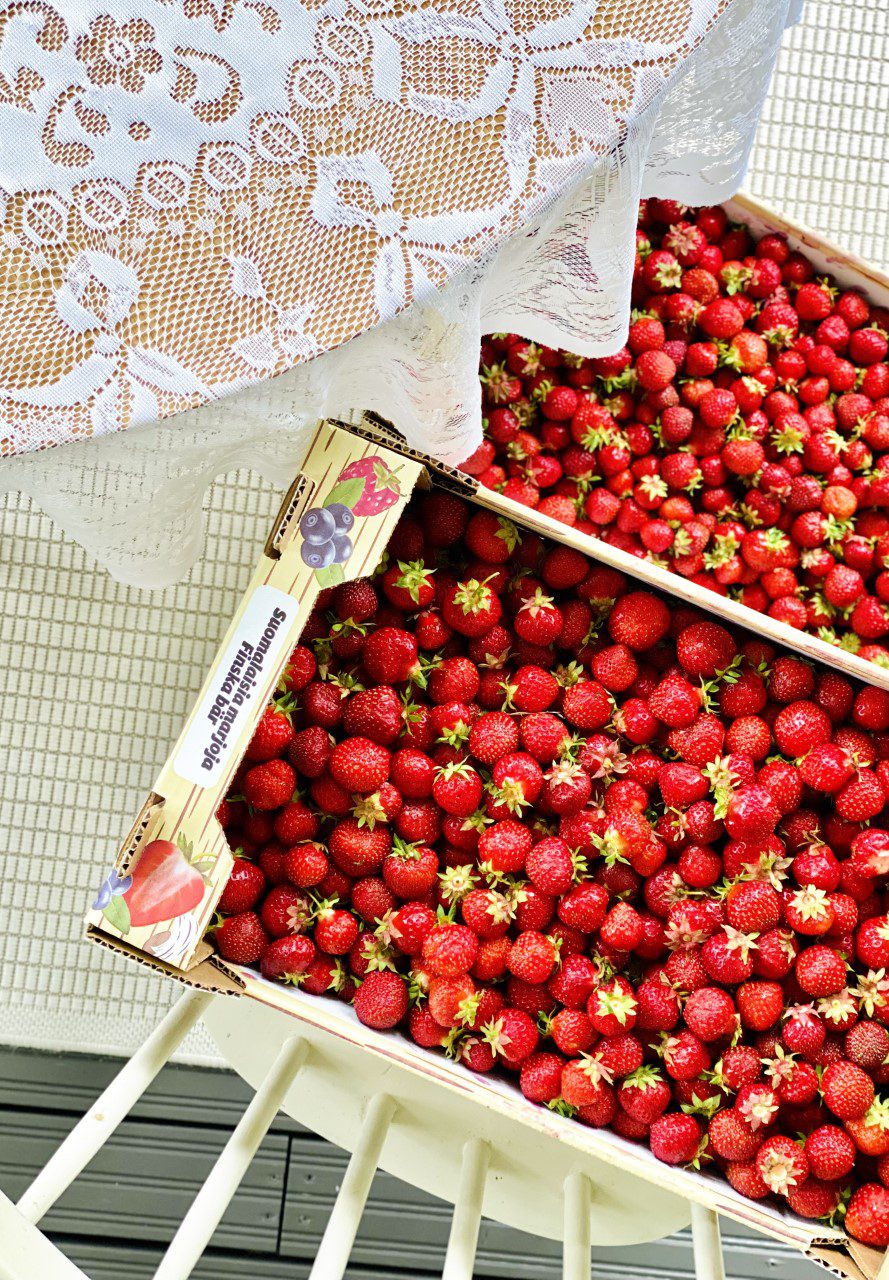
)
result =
(244, 675)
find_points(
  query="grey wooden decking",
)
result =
(116, 1218)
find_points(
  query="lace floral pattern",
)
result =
(200, 195)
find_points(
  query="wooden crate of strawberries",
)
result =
(542, 805)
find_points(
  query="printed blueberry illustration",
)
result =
(345, 519)
(113, 886)
(342, 548)
(318, 526)
(318, 557)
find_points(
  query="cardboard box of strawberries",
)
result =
(514, 805)
(739, 439)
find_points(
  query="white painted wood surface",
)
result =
(224, 1179)
(117, 1101)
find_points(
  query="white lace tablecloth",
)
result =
(350, 219)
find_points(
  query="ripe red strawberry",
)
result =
(532, 957)
(311, 748)
(753, 906)
(848, 1091)
(457, 788)
(382, 1000)
(390, 655)
(450, 950)
(732, 1137)
(710, 1013)
(376, 713)
(782, 1164)
(359, 765)
(492, 736)
(269, 785)
(612, 1007)
(751, 814)
(358, 850)
(705, 648)
(410, 870)
(549, 866)
(674, 1138)
(335, 930)
(409, 586)
(830, 1153)
(538, 620)
(867, 1215)
(272, 735)
(491, 538)
(241, 938)
(760, 1004)
(746, 1180)
(243, 888)
(286, 959)
(471, 607)
(861, 798)
(512, 1036)
(867, 1044)
(638, 620)
(504, 846)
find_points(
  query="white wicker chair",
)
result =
(371, 1113)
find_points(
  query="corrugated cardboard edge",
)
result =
(860, 1263)
(207, 973)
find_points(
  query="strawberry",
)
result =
(867, 1215)
(272, 736)
(710, 1013)
(450, 950)
(674, 1138)
(381, 1001)
(471, 607)
(531, 957)
(409, 586)
(848, 1091)
(390, 655)
(457, 788)
(269, 785)
(493, 736)
(830, 1153)
(639, 621)
(376, 713)
(286, 959)
(751, 814)
(241, 938)
(359, 765)
(731, 1136)
(782, 1164)
(410, 870)
(243, 888)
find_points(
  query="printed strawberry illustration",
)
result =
(380, 487)
(168, 881)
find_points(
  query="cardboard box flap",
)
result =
(170, 871)
(295, 501)
(208, 973)
(855, 1262)
(370, 426)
